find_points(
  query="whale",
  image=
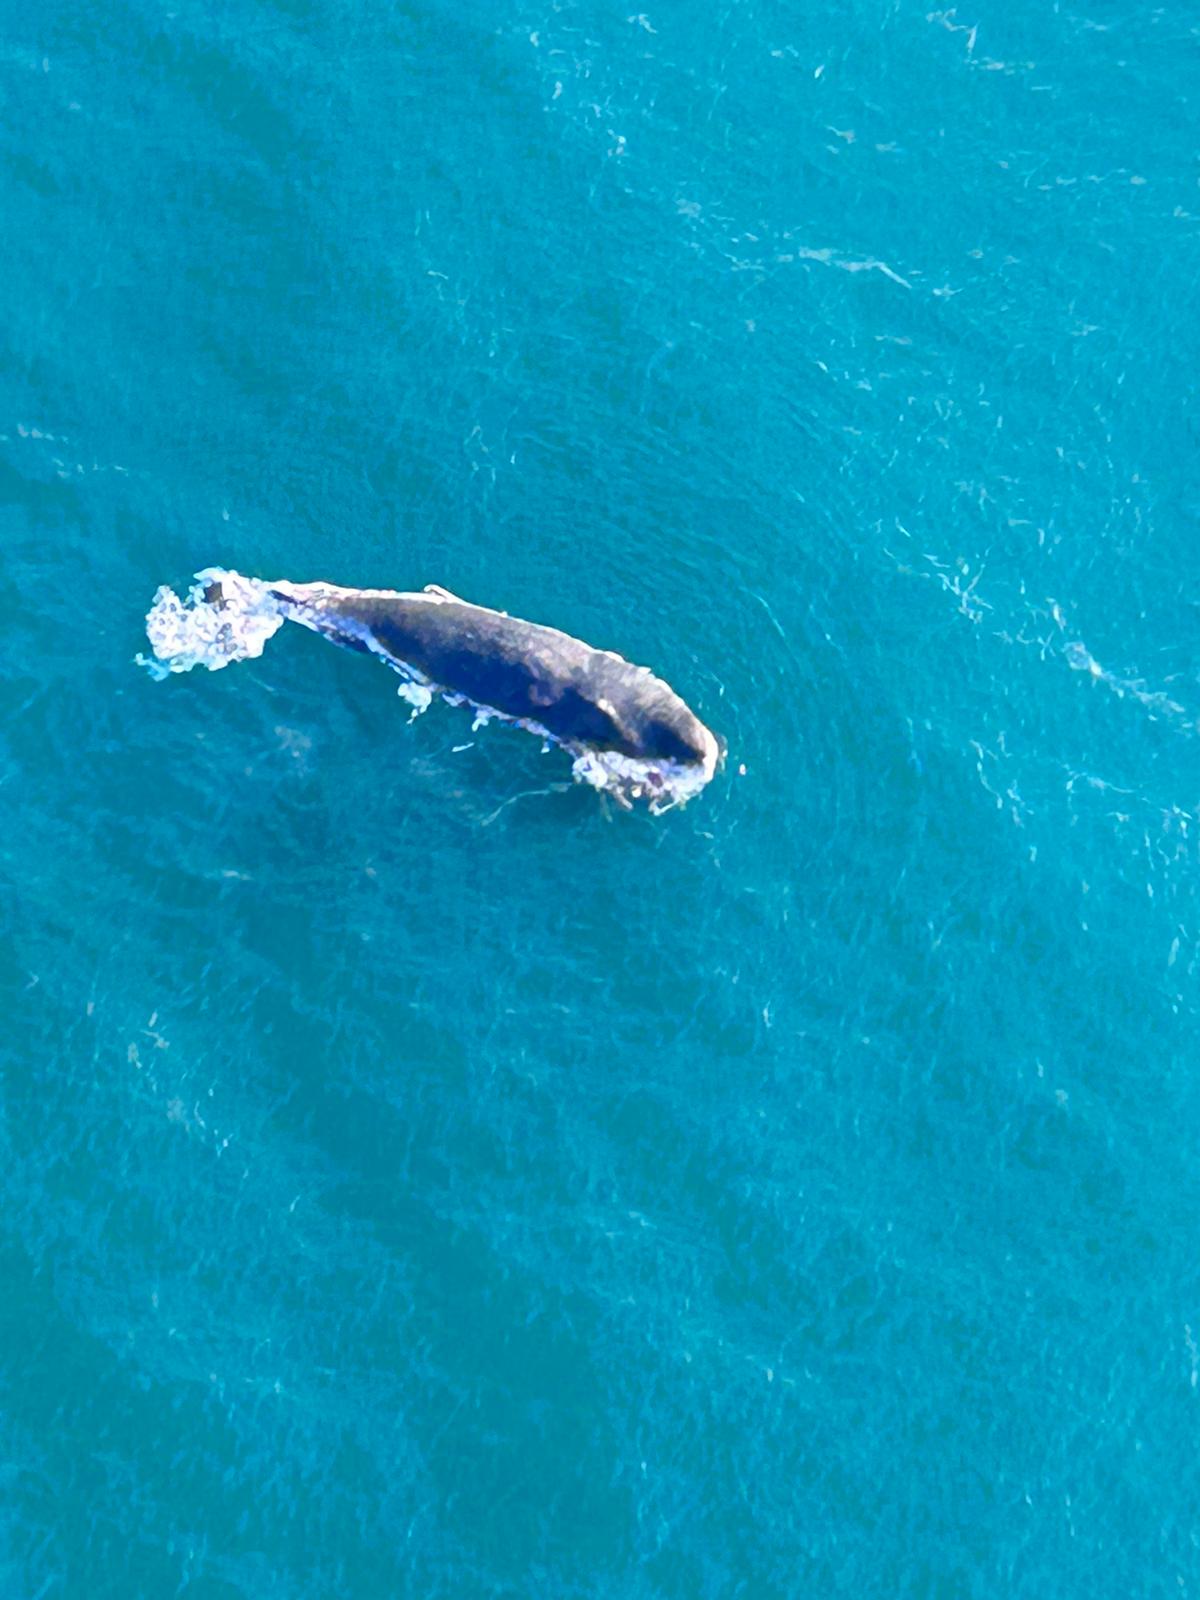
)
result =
(629, 733)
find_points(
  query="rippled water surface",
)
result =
(420, 1179)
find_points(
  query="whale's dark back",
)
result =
(525, 670)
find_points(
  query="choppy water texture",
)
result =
(420, 1183)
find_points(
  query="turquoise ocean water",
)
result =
(418, 1178)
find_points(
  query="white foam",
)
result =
(418, 695)
(196, 632)
(662, 784)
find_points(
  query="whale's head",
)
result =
(656, 725)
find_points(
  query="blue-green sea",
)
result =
(421, 1178)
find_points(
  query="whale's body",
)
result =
(629, 731)
(523, 670)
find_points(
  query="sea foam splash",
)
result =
(201, 631)
(663, 785)
(225, 617)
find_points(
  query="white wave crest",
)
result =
(197, 631)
